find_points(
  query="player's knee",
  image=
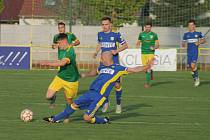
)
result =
(117, 86)
(87, 118)
(50, 94)
(193, 67)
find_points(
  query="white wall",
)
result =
(43, 34)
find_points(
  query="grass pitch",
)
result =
(171, 110)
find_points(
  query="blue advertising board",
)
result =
(14, 57)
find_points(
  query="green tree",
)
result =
(121, 11)
(178, 12)
(89, 12)
(1, 5)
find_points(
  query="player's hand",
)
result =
(114, 52)
(54, 46)
(197, 44)
(82, 75)
(152, 48)
(95, 55)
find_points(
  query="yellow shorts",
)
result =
(70, 88)
(145, 58)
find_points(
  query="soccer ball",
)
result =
(26, 115)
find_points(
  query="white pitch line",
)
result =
(124, 122)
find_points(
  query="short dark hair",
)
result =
(62, 36)
(148, 23)
(106, 18)
(61, 23)
(191, 21)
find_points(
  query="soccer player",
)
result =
(68, 75)
(148, 41)
(193, 39)
(99, 91)
(109, 41)
(72, 39)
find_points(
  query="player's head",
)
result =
(106, 58)
(191, 25)
(106, 24)
(63, 41)
(61, 27)
(148, 27)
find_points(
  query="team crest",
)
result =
(112, 38)
(101, 38)
(151, 36)
(196, 36)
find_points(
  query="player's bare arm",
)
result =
(141, 68)
(201, 41)
(157, 45)
(184, 44)
(98, 49)
(138, 44)
(91, 73)
(122, 48)
(57, 63)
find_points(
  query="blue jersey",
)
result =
(191, 38)
(109, 41)
(107, 77)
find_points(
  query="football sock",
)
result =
(118, 95)
(65, 114)
(195, 74)
(52, 100)
(148, 77)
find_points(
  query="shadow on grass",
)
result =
(205, 83)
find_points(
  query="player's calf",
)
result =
(51, 97)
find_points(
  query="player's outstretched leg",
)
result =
(66, 113)
(118, 89)
(105, 106)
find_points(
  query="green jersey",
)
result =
(69, 72)
(71, 38)
(147, 40)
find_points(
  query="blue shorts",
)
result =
(91, 101)
(192, 59)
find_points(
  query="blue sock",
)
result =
(99, 120)
(118, 96)
(65, 114)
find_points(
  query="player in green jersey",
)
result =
(68, 75)
(72, 39)
(149, 42)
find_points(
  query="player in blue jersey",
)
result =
(109, 41)
(193, 39)
(99, 91)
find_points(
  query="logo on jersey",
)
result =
(107, 71)
(196, 36)
(112, 38)
(107, 45)
(151, 36)
(101, 38)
